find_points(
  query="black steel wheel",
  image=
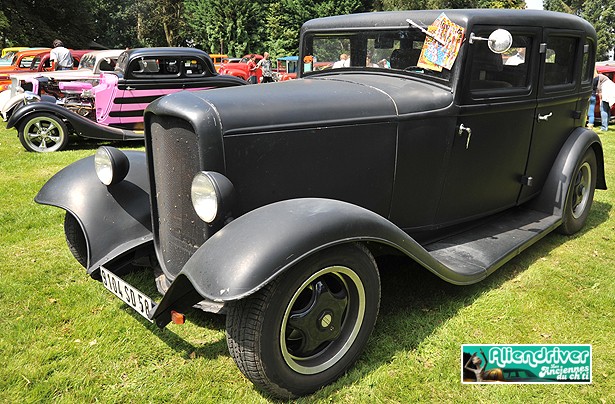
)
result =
(303, 330)
(580, 194)
(43, 133)
(75, 239)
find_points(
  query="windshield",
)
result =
(402, 50)
(88, 61)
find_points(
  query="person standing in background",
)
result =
(252, 79)
(60, 57)
(265, 65)
(605, 108)
(592, 102)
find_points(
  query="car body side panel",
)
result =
(249, 252)
(116, 219)
(81, 125)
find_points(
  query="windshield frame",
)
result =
(363, 42)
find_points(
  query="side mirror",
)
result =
(499, 41)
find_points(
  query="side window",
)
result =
(155, 67)
(588, 57)
(509, 70)
(143, 67)
(560, 60)
(26, 62)
(194, 67)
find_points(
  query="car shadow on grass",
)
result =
(415, 303)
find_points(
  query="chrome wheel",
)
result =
(43, 133)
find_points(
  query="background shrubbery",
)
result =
(234, 27)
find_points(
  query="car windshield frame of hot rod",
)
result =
(272, 212)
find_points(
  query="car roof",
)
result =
(106, 52)
(32, 52)
(165, 51)
(463, 17)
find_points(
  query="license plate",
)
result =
(132, 296)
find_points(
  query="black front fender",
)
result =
(252, 250)
(80, 125)
(114, 219)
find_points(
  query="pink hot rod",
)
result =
(113, 108)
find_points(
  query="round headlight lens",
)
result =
(204, 197)
(111, 165)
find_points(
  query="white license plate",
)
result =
(128, 293)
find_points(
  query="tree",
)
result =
(232, 26)
(600, 14)
(38, 23)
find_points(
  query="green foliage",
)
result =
(235, 27)
(38, 23)
(599, 13)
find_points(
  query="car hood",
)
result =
(323, 101)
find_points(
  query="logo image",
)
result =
(526, 363)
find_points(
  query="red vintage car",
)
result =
(608, 69)
(240, 69)
(37, 62)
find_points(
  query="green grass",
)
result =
(63, 338)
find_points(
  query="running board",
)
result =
(477, 252)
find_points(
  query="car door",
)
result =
(565, 87)
(489, 148)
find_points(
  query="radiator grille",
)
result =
(174, 158)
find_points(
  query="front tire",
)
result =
(307, 327)
(43, 133)
(580, 194)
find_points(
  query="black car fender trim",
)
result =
(82, 126)
(255, 248)
(115, 219)
(554, 193)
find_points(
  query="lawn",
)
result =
(65, 339)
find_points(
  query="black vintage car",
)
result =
(454, 138)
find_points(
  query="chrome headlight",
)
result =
(111, 165)
(212, 195)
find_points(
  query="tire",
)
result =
(303, 330)
(580, 194)
(75, 239)
(43, 133)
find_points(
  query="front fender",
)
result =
(115, 219)
(249, 252)
(82, 126)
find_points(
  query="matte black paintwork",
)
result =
(348, 156)
(115, 220)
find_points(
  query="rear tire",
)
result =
(43, 133)
(303, 330)
(580, 194)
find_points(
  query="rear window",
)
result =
(560, 58)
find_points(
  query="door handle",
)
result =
(463, 128)
(544, 118)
